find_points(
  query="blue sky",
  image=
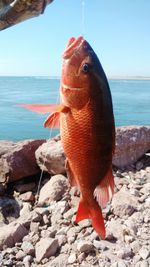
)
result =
(118, 31)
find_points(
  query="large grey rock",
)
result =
(54, 189)
(132, 142)
(19, 161)
(50, 157)
(11, 234)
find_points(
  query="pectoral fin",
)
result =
(53, 120)
(41, 108)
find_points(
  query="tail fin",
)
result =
(95, 214)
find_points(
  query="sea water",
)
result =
(131, 102)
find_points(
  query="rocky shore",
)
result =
(40, 230)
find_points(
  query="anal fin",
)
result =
(104, 191)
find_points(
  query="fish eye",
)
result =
(85, 68)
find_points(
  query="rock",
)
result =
(27, 261)
(72, 258)
(20, 161)
(24, 187)
(45, 248)
(144, 253)
(54, 189)
(60, 261)
(115, 230)
(27, 197)
(125, 253)
(123, 203)
(50, 157)
(11, 234)
(144, 264)
(28, 248)
(69, 214)
(85, 246)
(132, 142)
(20, 255)
(6, 146)
(34, 227)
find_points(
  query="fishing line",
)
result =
(83, 17)
(49, 137)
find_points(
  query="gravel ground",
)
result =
(45, 234)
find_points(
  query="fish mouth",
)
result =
(72, 45)
(66, 88)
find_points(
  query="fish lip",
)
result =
(74, 44)
(67, 87)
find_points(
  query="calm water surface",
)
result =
(131, 101)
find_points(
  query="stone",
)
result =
(19, 161)
(114, 230)
(60, 261)
(72, 258)
(132, 142)
(144, 264)
(54, 189)
(124, 253)
(20, 255)
(62, 239)
(46, 248)
(11, 234)
(144, 253)
(123, 203)
(27, 197)
(50, 157)
(22, 188)
(27, 261)
(34, 227)
(85, 246)
(69, 214)
(28, 248)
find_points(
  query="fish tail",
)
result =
(95, 214)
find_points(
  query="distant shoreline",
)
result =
(128, 78)
(146, 78)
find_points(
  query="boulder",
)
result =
(19, 160)
(132, 142)
(50, 157)
(54, 189)
(6, 146)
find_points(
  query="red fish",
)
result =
(87, 129)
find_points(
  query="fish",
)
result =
(87, 128)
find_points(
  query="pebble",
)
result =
(85, 246)
(72, 258)
(144, 253)
(45, 248)
(28, 248)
